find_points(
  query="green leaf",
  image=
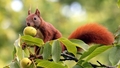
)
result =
(117, 36)
(71, 47)
(14, 64)
(26, 52)
(86, 53)
(98, 51)
(14, 52)
(31, 41)
(17, 42)
(77, 66)
(41, 50)
(81, 65)
(32, 65)
(18, 49)
(48, 64)
(114, 55)
(19, 52)
(56, 50)
(87, 65)
(80, 44)
(46, 50)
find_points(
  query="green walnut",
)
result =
(30, 31)
(25, 63)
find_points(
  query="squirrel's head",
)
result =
(33, 19)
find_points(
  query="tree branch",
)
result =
(101, 65)
(69, 57)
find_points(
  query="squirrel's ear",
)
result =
(29, 12)
(37, 12)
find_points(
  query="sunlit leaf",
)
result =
(17, 42)
(71, 47)
(14, 64)
(80, 44)
(114, 55)
(19, 53)
(26, 52)
(31, 41)
(56, 50)
(98, 51)
(18, 49)
(91, 49)
(46, 50)
(48, 64)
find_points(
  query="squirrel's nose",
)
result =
(28, 24)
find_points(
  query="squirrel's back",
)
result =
(93, 33)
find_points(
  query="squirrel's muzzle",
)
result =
(28, 24)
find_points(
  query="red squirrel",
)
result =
(48, 31)
(90, 33)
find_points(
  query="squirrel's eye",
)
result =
(34, 18)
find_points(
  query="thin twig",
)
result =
(34, 63)
(102, 65)
(67, 56)
(29, 50)
(60, 59)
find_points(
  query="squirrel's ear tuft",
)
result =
(29, 11)
(37, 12)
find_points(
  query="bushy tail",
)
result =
(93, 33)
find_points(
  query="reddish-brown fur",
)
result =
(93, 33)
(49, 31)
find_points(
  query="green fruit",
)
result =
(25, 63)
(30, 31)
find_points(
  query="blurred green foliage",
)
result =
(65, 15)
